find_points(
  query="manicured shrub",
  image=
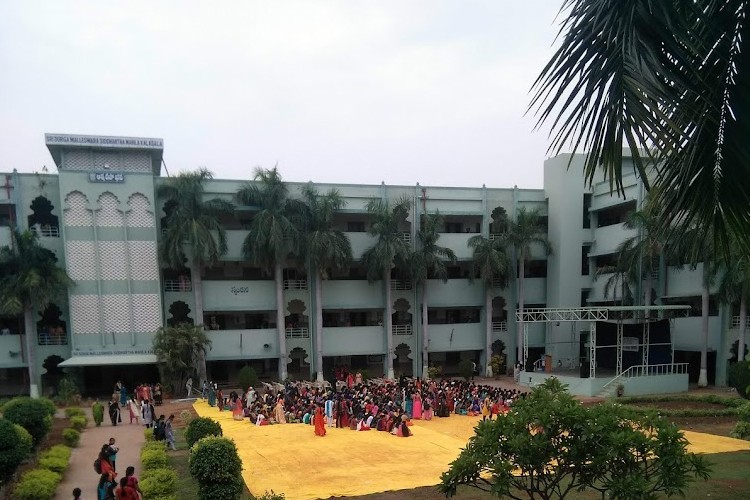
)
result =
(55, 464)
(215, 464)
(153, 445)
(158, 483)
(230, 490)
(27, 442)
(149, 434)
(154, 459)
(71, 437)
(34, 415)
(13, 450)
(739, 377)
(79, 422)
(59, 450)
(247, 377)
(200, 428)
(74, 412)
(37, 484)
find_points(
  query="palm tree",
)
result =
(389, 248)
(29, 280)
(670, 76)
(490, 262)
(524, 232)
(428, 261)
(324, 248)
(619, 279)
(272, 237)
(193, 233)
(734, 288)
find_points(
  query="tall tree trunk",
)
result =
(648, 293)
(319, 325)
(280, 321)
(520, 333)
(743, 325)
(30, 334)
(388, 321)
(195, 275)
(703, 377)
(425, 332)
(488, 329)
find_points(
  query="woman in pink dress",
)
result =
(427, 411)
(238, 413)
(416, 408)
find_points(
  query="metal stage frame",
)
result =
(600, 313)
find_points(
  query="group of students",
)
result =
(363, 405)
(109, 487)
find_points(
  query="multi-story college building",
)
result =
(102, 218)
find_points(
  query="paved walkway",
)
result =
(80, 472)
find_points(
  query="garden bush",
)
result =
(74, 412)
(27, 442)
(247, 377)
(466, 368)
(200, 428)
(12, 449)
(59, 450)
(215, 464)
(271, 495)
(37, 484)
(149, 434)
(34, 415)
(739, 377)
(67, 391)
(71, 437)
(55, 464)
(742, 428)
(153, 458)
(79, 422)
(158, 483)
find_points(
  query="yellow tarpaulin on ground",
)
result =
(290, 459)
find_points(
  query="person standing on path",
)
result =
(114, 410)
(147, 413)
(169, 433)
(189, 386)
(112, 453)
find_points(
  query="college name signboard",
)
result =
(109, 177)
(103, 141)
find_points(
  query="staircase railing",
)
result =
(647, 371)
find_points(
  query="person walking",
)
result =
(189, 386)
(169, 433)
(114, 410)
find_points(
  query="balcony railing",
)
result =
(300, 332)
(495, 236)
(45, 338)
(406, 237)
(499, 326)
(178, 286)
(400, 285)
(295, 284)
(401, 329)
(46, 231)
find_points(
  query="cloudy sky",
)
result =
(348, 91)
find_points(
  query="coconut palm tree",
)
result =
(619, 280)
(193, 232)
(428, 261)
(735, 288)
(272, 237)
(491, 263)
(323, 248)
(670, 76)
(30, 280)
(389, 249)
(524, 232)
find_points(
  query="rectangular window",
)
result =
(586, 207)
(585, 260)
(617, 214)
(535, 269)
(355, 226)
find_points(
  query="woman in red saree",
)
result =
(319, 421)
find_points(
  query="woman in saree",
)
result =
(416, 409)
(238, 413)
(278, 412)
(319, 421)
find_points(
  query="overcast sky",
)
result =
(347, 91)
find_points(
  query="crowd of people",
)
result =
(375, 404)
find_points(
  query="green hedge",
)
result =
(59, 450)
(149, 434)
(37, 484)
(158, 483)
(13, 449)
(154, 459)
(74, 412)
(71, 437)
(27, 442)
(78, 422)
(34, 415)
(731, 405)
(216, 465)
(200, 428)
(55, 464)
